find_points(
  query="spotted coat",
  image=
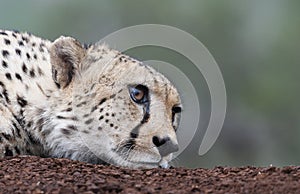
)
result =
(93, 104)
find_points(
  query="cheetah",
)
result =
(93, 104)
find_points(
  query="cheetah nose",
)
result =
(164, 145)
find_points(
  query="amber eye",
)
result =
(139, 94)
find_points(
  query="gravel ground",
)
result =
(32, 174)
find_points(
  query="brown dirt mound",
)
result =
(48, 175)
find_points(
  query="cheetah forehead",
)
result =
(114, 68)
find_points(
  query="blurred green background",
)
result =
(255, 43)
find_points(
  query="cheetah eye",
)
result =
(176, 109)
(139, 94)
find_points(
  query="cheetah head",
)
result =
(127, 112)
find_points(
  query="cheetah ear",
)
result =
(66, 55)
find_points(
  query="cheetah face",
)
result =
(128, 112)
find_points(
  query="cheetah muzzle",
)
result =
(92, 104)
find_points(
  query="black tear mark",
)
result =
(133, 135)
(146, 113)
(135, 131)
(130, 144)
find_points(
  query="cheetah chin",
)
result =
(88, 103)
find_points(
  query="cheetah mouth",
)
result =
(160, 164)
(134, 162)
(145, 164)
